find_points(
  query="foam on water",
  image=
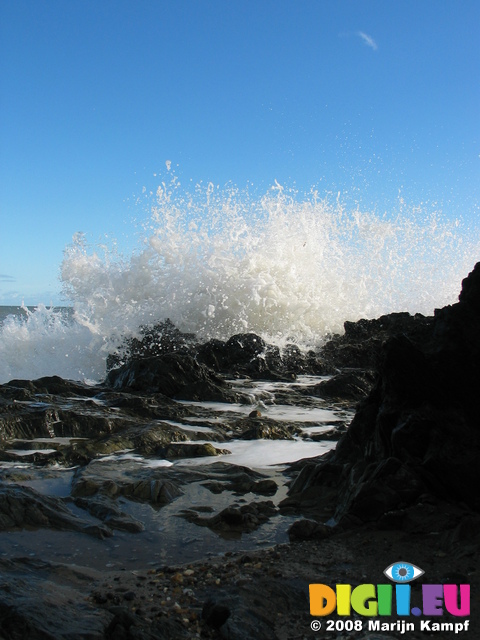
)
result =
(280, 412)
(218, 262)
(262, 454)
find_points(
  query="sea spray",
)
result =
(46, 341)
(220, 261)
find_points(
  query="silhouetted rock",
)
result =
(348, 385)
(215, 614)
(360, 345)
(417, 431)
(156, 340)
(243, 354)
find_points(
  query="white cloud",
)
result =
(368, 40)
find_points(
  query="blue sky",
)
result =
(364, 97)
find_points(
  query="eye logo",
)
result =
(403, 572)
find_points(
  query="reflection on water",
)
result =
(167, 539)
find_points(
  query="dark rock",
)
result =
(144, 439)
(360, 346)
(45, 601)
(48, 385)
(247, 354)
(131, 481)
(333, 435)
(309, 530)
(22, 507)
(51, 416)
(348, 385)
(174, 375)
(154, 340)
(265, 487)
(315, 488)
(150, 407)
(233, 521)
(296, 361)
(266, 429)
(251, 353)
(123, 620)
(173, 451)
(213, 354)
(239, 480)
(215, 614)
(108, 511)
(244, 354)
(417, 431)
(156, 492)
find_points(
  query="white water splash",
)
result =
(46, 342)
(218, 262)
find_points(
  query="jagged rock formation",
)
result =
(417, 432)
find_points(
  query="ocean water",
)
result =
(220, 261)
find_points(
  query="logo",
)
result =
(403, 572)
(388, 599)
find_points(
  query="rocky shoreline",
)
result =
(99, 467)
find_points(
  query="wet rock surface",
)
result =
(152, 458)
(24, 507)
(234, 521)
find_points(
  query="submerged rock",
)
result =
(108, 511)
(130, 480)
(234, 520)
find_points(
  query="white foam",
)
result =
(318, 429)
(300, 381)
(187, 427)
(262, 454)
(280, 412)
(46, 343)
(218, 262)
(133, 457)
(29, 452)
